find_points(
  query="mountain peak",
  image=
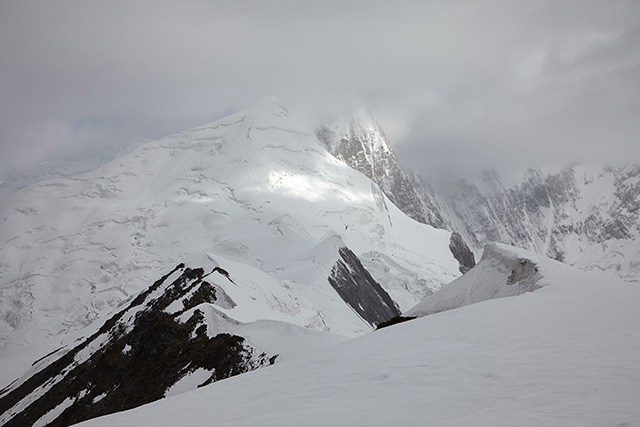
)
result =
(359, 125)
(359, 141)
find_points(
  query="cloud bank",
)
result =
(458, 85)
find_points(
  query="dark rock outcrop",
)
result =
(360, 291)
(134, 358)
(461, 252)
(395, 321)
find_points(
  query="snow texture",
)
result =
(252, 190)
(565, 354)
(500, 273)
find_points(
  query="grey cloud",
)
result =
(478, 84)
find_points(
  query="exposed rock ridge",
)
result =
(361, 143)
(360, 291)
(462, 253)
(134, 358)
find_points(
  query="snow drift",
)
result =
(503, 271)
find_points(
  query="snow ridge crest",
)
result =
(503, 271)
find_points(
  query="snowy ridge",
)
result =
(172, 338)
(565, 354)
(503, 271)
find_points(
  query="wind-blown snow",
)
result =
(565, 354)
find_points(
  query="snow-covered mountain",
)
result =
(562, 353)
(254, 191)
(580, 215)
(583, 216)
(289, 242)
(360, 142)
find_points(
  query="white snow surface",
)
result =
(563, 355)
(253, 191)
(502, 271)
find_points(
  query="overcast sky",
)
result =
(457, 85)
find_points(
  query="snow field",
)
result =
(565, 354)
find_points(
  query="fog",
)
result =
(458, 86)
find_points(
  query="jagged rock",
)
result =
(360, 142)
(360, 291)
(462, 253)
(135, 358)
(432, 207)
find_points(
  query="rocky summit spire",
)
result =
(359, 141)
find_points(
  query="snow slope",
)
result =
(503, 271)
(563, 355)
(253, 190)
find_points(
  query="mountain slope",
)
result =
(583, 216)
(564, 354)
(136, 357)
(253, 190)
(359, 141)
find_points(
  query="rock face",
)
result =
(161, 341)
(462, 253)
(433, 209)
(583, 216)
(360, 142)
(360, 291)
